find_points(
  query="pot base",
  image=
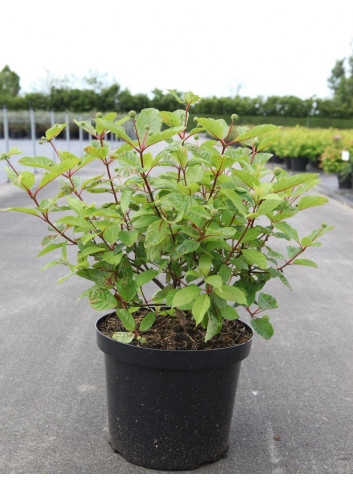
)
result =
(187, 466)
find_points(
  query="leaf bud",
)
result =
(43, 138)
(147, 127)
(214, 212)
(99, 114)
(234, 117)
(276, 172)
(196, 137)
(195, 119)
(132, 114)
(150, 132)
(265, 317)
(324, 225)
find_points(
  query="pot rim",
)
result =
(172, 359)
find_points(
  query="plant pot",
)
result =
(299, 163)
(288, 162)
(276, 159)
(345, 182)
(170, 410)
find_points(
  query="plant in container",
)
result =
(332, 162)
(184, 240)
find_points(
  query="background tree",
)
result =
(9, 82)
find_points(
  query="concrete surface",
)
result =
(298, 385)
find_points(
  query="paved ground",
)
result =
(298, 385)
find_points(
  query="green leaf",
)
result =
(123, 337)
(187, 246)
(225, 272)
(111, 233)
(263, 327)
(229, 313)
(214, 280)
(37, 162)
(91, 250)
(126, 318)
(288, 230)
(50, 248)
(145, 277)
(58, 170)
(26, 210)
(231, 293)
(164, 135)
(205, 264)
(214, 325)
(125, 200)
(185, 295)
(147, 321)
(76, 221)
(214, 127)
(256, 131)
(254, 257)
(128, 237)
(267, 206)
(292, 181)
(311, 201)
(266, 301)
(236, 200)
(151, 118)
(99, 153)
(111, 258)
(101, 299)
(200, 307)
(54, 131)
(156, 232)
(26, 179)
(302, 261)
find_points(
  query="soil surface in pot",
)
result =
(169, 333)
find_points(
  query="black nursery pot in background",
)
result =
(298, 163)
(170, 410)
(345, 182)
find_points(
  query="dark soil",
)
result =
(168, 334)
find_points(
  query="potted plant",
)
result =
(332, 162)
(184, 241)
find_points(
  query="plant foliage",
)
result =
(198, 221)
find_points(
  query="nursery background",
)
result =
(283, 63)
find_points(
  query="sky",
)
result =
(224, 47)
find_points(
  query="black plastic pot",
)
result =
(276, 159)
(170, 410)
(299, 163)
(345, 182)
(288, 162)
